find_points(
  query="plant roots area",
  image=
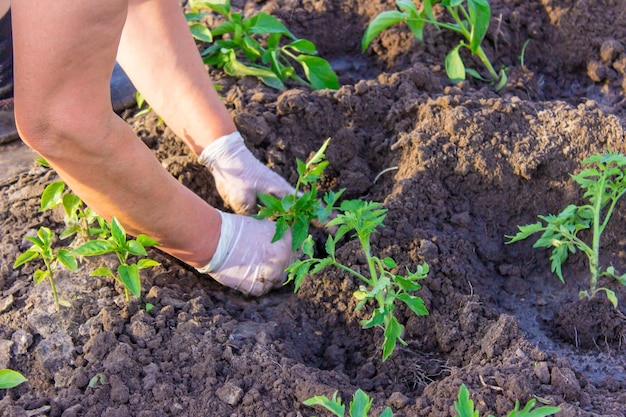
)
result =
(458, 166)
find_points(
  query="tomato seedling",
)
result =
(254, 46)
(380, 284)
(127, 273)
(359, 406)
(470, 20)
(42, 249)
(603, 184)
(298, 210)
(465, 407)
(78, 219)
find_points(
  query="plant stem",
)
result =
(353, 272)
(51, 279)
(593, 260)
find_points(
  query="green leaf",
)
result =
(303, 46)
(387, 412)
(393, 331)
(103, 271)
(26, 257)
(300, 232)
(129, 276)
(52, 195)
(389, 263)
(271, 202)
(610, 294)
(525, 231)
(67, 259)
(281, 229)
(558, 258)
(307, 246)
(455, 69)
(118, 233)
(360, 404)
(381, 22)
(263, 24)
(40, 275)
(319, 72)
(136, 248)
(71, 204)
(10, 378)
(201, 32)
(377, 319)
(220, 6)
(417, 28)
(146, 241)
(94, 248)
(465, 406)
(70, 231)
(416, 304)
(330, 245)
(480, 14)
(235, 68)
(333, 405)
(528, 411)
(147, 263)
(319, 155)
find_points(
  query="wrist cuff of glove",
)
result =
(220, 147)
(227, 235)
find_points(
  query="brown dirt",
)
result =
(471, 165)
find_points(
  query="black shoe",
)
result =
(123, 92)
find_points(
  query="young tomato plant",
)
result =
(470, 20)
(465, 407)
(359, 406)
(243, 46)
(79, 220)
(127, 273)
(298, 210)
(380, 284)
(603, 184)
(42, 249)
(10, 378)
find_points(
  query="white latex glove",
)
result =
(239, 176)
(245, 258)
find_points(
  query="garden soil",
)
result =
(458, 166)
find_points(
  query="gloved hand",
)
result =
(239, 176)
(245, 258)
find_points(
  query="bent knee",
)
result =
(59, 126)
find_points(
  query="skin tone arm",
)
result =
(155, 46)
(63, 111)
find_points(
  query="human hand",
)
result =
(245, 258)
(239, 176)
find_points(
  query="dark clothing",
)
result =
(6, 57)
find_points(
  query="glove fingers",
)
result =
(252, 264)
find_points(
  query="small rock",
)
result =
(398, 400)
(542, 372)
(565, 380)
(230, 393)
(5, 353)
(22, 340)
(6, 303)
(119, 391)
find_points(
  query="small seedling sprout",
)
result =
(604, 183)
(471, 21)
(253, 46)
(358, 218)
(465, 407)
